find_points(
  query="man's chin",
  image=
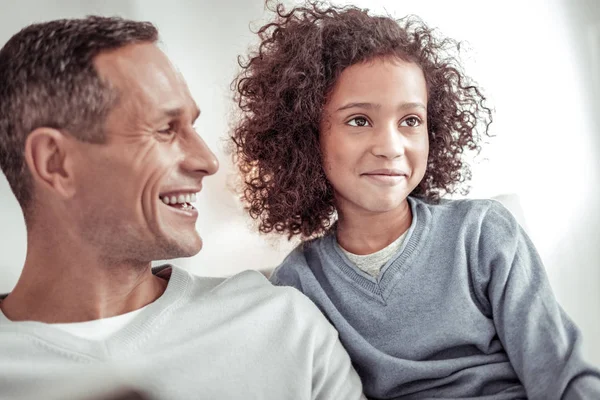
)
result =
(191, 251)
(181, 248)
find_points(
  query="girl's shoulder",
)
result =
(464, 210)
(462, 215)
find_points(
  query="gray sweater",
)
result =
(463, 310)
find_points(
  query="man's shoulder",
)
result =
(242, 283)
(247, 301)
(247, 288)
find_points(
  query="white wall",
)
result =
(533, 58)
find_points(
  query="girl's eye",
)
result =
(411, 122)
(359, 121)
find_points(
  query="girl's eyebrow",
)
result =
(369, 106)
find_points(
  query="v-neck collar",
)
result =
(381, 286)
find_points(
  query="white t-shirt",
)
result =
(372, 263)
(98, 329)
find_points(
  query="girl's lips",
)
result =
(386, 171)
(385, 180)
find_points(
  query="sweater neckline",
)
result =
(122, 342)
(380, 287)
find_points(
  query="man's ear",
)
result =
(47, 154)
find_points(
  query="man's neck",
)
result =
(362, 232)
(61, 285)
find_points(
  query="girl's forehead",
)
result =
(380, 78)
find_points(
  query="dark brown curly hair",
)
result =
(283, 86)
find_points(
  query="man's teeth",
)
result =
(181, 199)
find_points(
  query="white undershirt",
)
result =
(372, 263)
(98, 329)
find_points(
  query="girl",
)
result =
(354, 126)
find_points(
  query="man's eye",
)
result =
(359, 121)
(168, 130)
(412, 122)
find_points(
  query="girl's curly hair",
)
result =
(284, 84)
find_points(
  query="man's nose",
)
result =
(198, 156)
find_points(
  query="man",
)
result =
(98, 145)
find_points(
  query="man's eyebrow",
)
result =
(179, 111)
(172, 112)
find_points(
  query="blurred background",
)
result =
(538, 61)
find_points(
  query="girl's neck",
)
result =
(361, 232)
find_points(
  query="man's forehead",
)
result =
(143, 70)
(131, 58)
